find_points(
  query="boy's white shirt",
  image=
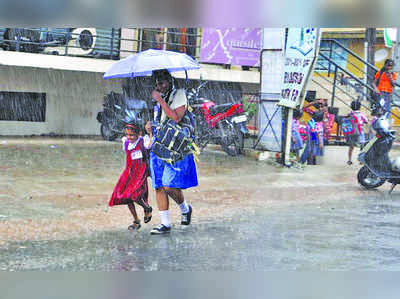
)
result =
(146, 141)
(179, 99)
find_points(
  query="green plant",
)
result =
(249, 105)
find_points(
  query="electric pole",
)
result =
(370, 36)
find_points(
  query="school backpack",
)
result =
(173, 141)
(351, 125)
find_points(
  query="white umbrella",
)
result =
(144, 63)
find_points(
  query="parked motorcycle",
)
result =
(378, 168)
(224, 124)
(116, 115)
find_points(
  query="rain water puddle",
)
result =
(356, 234)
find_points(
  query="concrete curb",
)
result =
(248, 152)
(258, 155)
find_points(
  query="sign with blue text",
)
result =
(301, 49)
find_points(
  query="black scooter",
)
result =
(378, 168)
(116, 115)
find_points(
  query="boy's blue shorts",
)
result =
(182, 174)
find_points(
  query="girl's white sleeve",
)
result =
(146, 141)
(123, 139)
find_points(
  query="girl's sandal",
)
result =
(147, 211)
(135, 226)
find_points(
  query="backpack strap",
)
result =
(379, 78)
(159, 112)
(357, 122)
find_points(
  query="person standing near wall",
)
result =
(328, 121)
(384, 82)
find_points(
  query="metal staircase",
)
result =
(332, 76)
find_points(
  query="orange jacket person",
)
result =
(384, 82)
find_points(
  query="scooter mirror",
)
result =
(382, 126)
(202, 84)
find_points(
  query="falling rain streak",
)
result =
(54, 216)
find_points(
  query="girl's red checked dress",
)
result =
(132, 184)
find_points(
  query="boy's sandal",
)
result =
(147, 219)
(135, 226)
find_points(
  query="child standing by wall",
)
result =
(132, 185)
(315, 143)
(297, 143)
(328, 121)
(359, 137)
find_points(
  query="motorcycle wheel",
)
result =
(368, 180)
(233, 143)
(202, 134)
(202, 142)
(107, 133)
(240, 141)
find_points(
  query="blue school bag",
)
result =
(173, 141)
(350, 125)
(312, 126)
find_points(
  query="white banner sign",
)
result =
(390, 36)
(271, 71)
(300, 52)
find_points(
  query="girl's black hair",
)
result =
(133, 127)
(297, 113)
(388, 62)
(355, 105)
(318, 116)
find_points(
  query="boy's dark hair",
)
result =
(318, 116)
(161, 75)
(297, 113)
(389, 62)
(355, 105)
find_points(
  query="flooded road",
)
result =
(248, 215)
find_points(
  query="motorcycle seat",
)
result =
(214, 110)
(199, 101)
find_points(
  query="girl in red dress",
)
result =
(132, 185)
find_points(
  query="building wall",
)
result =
(72, 99)
(75, 89)
(357, 46)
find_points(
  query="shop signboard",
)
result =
(236, 46)
(301, 48)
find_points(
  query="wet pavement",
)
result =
(248, 215)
